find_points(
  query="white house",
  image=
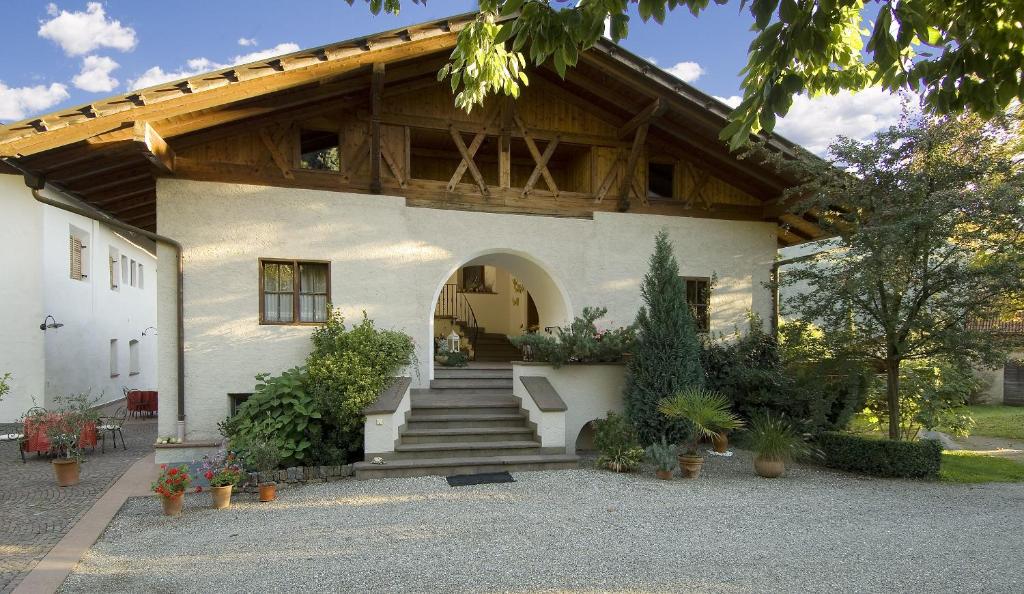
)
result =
(345, 174)
(79, 315)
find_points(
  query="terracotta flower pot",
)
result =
(690, 465)
(720, 442)
(66, 471)
(221, 496)
(172, 505)
(268, 491)
(769, 468)
(665, 475)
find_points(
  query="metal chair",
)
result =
(17, 437)
(112, 425)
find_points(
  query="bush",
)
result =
(616, 441)
(933, 394)
(878, 457)
(579, 342)
(282, 412)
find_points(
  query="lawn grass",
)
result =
(970, 467)
(998, 421)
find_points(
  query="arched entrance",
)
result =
(510, 290)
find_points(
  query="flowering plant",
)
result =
(172, 480)
(222, 470)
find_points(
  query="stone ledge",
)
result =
(296, 475)
(188, 444)
(569, 364)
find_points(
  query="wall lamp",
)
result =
(147, 332)
(52, 324)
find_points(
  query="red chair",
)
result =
(134, 400)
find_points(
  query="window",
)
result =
(319, 150)
(134, 282)
(141, 286)
(78, 254)
(294, 292)
(474, 279)
(237, 400)
(133, 357)
(698, 297)
(124, 268)
(115, 270)
(113, 358)
(661, 180)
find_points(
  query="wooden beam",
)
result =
(273, 144)
(468, 159)
(505, 144)
(802, 225)
(376, 89)
(634, 157)
(102, 201)
(610, 176)
(154, 147)
(119, 181)
(532, 147)
(474, 146)
(90, 169)
(542, 165)
(656, 108)
(392, 163)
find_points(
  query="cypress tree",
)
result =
(666, 357)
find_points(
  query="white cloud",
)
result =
(686, 71)
(95, 75)
(732, 100)
(21, 102)
(157, 75)
(79, 33)
(246, 41)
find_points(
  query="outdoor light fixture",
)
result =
(147, 332)
(453, 342)
(53, 324)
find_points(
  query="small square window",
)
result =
(237, 400)
(319, 150)
(294, 292)
(661, 180)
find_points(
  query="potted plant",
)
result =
(707, 414)
(774, 442)
(615, 440)
(264, 457)
(663, 457)
(66, 428)
(223, 471)
(171, 486)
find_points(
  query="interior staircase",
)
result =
(490, 347)
(467, 422)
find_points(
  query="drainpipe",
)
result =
(37, 183)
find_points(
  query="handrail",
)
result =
(454, 304)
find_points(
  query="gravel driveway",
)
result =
(577, 530)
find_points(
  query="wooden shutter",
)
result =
(75, 248)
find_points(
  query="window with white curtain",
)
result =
(294, 292)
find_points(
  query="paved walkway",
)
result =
(35, 514)
(993, 446)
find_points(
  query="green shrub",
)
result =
(348, 368)
(579, 342)
(662, 455)
(282, 412)
(933, 394)
(616, 441)
(666, 358)
(452, 358)
(881, 457)
(773, 438)
(5, 387)
(706, 412)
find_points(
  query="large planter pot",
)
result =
(690, 465)
(221, 496)
(66, 471)
(665, 475)
(768, 467)
(268, 491)
(172, 505)
(720, 442)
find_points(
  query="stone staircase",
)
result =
(467, 422)
(490, 347)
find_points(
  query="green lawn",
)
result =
(998, 421)
(969, 467)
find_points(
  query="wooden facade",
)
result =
(616, 134)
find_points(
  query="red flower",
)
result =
(209, 474)
(163, 467)
(172, 471)
(199, 489)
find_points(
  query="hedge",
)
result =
(881, 457)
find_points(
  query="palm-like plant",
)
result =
(774, 438)
(706, 411)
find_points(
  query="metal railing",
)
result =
(452, 304)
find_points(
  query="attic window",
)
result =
(319, 150)
(660, 178)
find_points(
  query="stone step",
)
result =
(466, 434)
(471, 373)
(500, 383)
(465, 421)
(455, 449)
(432, 411)
(466, 465)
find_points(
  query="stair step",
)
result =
(467, 465)
(454, 449)
(471, 373)
(466, 434)
(434, 411)
(472, 383)
(465, 421)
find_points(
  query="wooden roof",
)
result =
(110, 152)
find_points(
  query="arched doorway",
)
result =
(508, 291)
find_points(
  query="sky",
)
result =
(72, 52)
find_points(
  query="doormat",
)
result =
(483, 478)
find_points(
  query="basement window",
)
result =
(698, 297)
(319, 150)
(660, 180)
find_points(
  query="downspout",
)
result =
(37, 183)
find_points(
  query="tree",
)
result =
(929, 228)
(959, 54)
(666, 357)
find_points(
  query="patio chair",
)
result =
(18, 438)
(112, 425)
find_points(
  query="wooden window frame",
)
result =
(295, 291)
(707, 313)
(297, 152)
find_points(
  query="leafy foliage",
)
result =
(667, 353)
(881, 457)
(171, 480)
(662, 455)
(579, 342)
(707, 414)
(933, 395)
(66, 421)
(931, 237)
(281, 412)
(616, 441)
(5, 386)
(956, 54)
(222, 469)
(450, 358)
(774, 438)
(262, 455)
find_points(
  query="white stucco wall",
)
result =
(21, 297)
(391, 261)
